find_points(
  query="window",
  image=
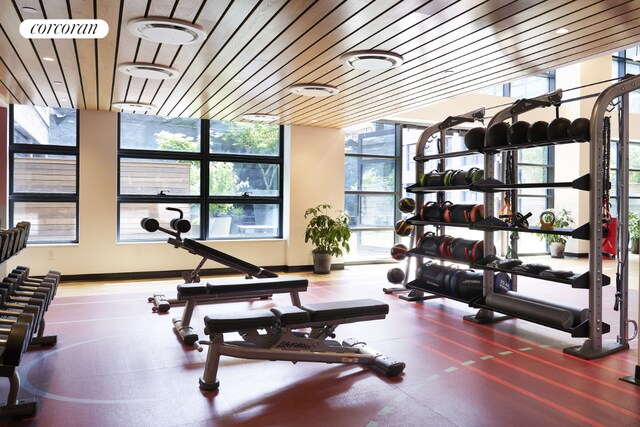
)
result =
(529, 87)
(634, 177)
(371, 188)
(628, 62)
(226, 177)
(43, 164)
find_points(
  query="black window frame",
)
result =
(204, 199)
(23, 197)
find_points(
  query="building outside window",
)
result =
(628, 62)
(529, 87)
(225, 177)
(43, 178)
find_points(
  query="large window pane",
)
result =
(369, 245)
(261, 139)
(369, 174)
(132, 213)
(371, 138)
(152, 176)
(159, 133)
(44, 173)
(50, 221)
(44, 126)
(235, 179)
(243, 221)
(536, 156)
(370, 210)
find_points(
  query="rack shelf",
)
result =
(446, 155)
(494, 150)
(578, 281)
(417, 221)
(420, 286)
(492, 185)
(495, 224)
(417, 188)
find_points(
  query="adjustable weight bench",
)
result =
(284, 338)
(192, 292)
(231, 290)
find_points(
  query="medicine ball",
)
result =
(537, 131)
(474, 139)
(497, 135)
(558, 128)
(501, 282)
(580, 129)
(406, 205)
(517, 133)
(403, 228)
(399, 251)
(395, 275)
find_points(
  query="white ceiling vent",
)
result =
(372, 59)
(148, 71)
(166, 30)
(134, 106)
(257, 117)
(310, 89)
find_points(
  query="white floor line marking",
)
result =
(487, 357)
(451, 369)
(505, 353)
(386, 410)
(468, 362)
(433, 377)
(525, 349)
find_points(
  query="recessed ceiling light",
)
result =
(449, 71)
(148, 71)
(238, 80)
(372, 59)
(312, 89)
(47, 58)
(166, 30)
(256, 117)
(134, 106)
(29, 9)
(313, 121)
(56, 82)
(562, 31)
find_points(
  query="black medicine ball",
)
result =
(537, 131)
(497, 135)
(395, 275)
(580, 129)
(474, 139)
(558, 128)
(517, 133)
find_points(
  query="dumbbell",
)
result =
(45, 293)
(53, 276)
(8, 240)
(26, 229)
(21, 299)
(50, 281)
(9, 318)
(14, 340)
(33, 306)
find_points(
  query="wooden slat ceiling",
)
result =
(255, 50)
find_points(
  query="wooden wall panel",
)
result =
(255, 50)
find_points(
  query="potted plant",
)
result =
(556, 242)
(328, 234)
(634, 231)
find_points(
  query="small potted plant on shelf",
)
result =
(561, 218)
(634, 231)
(329, 235)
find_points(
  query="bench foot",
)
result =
(44, 341)
(383, 364)
(21, 409)
(207, 386)
(186, 333)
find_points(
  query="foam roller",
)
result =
(579, 314)
(540, 313)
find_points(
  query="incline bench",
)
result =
(284, 339)
(192, 292)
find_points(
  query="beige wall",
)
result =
(314, 174)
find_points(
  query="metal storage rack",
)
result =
(594, 279)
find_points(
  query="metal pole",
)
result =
(623, 217)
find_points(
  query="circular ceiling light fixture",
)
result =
(372, 59)
(148, 71)
(312, 89)
(257, 117)
(135, 106)
(166, 30)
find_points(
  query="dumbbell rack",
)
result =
(593, 280)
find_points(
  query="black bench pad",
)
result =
(237, 286)
(290, 315)
(345, 309)
(230, 322)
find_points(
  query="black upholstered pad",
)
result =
(345, 309)
(290, 315)
(230, 322)
(271, 285)
(192, 289)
